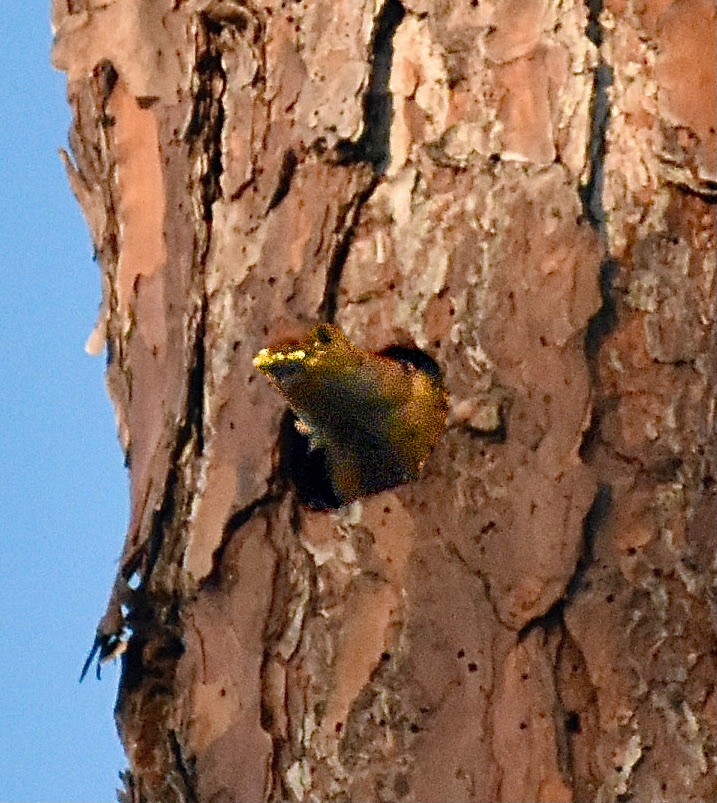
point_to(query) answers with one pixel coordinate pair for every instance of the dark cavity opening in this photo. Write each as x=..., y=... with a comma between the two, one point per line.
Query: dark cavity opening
x=306, y=468
x=415, y=357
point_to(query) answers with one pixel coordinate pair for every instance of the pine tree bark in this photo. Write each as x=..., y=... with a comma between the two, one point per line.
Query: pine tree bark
x=523, y=190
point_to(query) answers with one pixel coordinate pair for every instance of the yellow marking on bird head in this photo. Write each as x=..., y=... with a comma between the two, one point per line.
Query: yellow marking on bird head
x=268, y=357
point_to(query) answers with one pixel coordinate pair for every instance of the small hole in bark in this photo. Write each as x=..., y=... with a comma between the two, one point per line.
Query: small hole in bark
x=401, y=786
x=385, y=656
x=524, y=676
x=461, y=653
x=667, y=470
x=572, y=722
x=414, y=728
x=523, y=725
x=266, y=718
x=610, y=598
x=631, y=550
x=472, y=667
x=146, y=101
x=339, y=727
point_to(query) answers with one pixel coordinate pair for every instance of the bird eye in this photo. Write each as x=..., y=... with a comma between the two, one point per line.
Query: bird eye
x=323, y=335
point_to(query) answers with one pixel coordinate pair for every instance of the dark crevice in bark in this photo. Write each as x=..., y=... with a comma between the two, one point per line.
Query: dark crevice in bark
x=599, y=327
x=592, y=523
x=287, y=577
x=591, y=192
x=233, y=524
x=605, y=319
x=203, y=133
x=497, y=435
x=204, y=130
x=286, y=173
x=185, y=768
x=154, y=614
x=105, y=77
x=373, y=146
x=145, y=696
x=188, y=449
x=348, y=219
x=204, y=136
x=553, y=618
x=705, y=190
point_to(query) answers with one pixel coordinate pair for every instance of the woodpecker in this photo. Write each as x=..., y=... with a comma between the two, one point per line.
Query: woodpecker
x=377, y=417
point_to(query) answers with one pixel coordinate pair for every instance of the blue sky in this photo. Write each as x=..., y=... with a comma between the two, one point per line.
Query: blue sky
x=64, y=488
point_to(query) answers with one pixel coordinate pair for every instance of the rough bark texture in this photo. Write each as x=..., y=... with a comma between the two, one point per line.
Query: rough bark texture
x=521, y=188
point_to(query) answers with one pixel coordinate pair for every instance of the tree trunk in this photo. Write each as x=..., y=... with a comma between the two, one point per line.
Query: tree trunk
x=523, y=191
